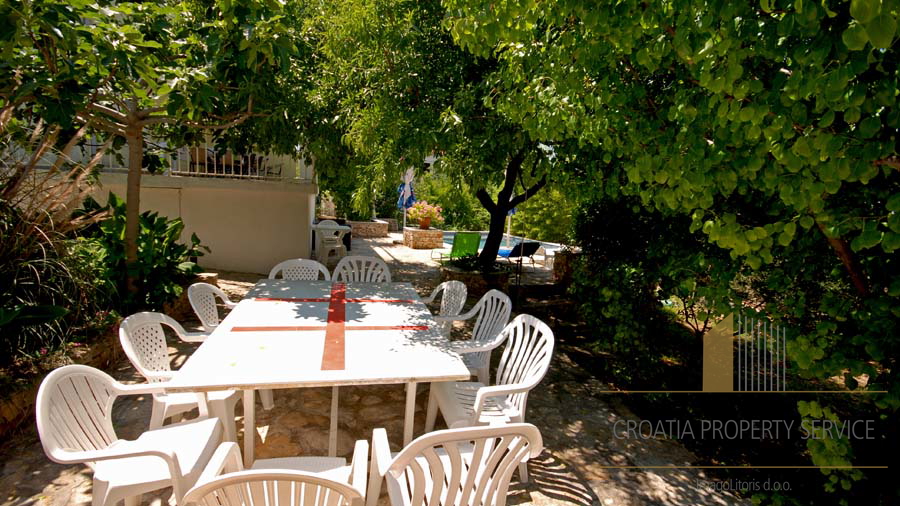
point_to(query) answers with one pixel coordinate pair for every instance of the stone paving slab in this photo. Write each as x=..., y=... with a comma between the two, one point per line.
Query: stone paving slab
x=575, y=419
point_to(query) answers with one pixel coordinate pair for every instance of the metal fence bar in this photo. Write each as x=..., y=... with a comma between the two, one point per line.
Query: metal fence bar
x=761, y=355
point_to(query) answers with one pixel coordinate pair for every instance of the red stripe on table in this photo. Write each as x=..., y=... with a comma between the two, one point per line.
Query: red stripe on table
x=323, y=299
x=293, y=299
x=323, y=327
x=389, y=301
x=333, y=354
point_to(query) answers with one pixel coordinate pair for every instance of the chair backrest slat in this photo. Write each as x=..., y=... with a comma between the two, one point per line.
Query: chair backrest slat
x=526, y=356
x=300, y=269
x=202, y=297
x=461, y=467
x=493, y=310
x=266, y=487
x=74, y=411
x=362, y=269
x=144, y=342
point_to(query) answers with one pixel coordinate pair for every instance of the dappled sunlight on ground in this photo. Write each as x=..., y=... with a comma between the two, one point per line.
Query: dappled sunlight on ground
x=576, y=419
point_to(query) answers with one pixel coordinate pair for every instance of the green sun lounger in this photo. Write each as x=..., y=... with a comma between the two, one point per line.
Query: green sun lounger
x=464, y=244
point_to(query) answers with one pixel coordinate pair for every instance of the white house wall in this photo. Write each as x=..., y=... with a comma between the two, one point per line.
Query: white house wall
x=249, y=225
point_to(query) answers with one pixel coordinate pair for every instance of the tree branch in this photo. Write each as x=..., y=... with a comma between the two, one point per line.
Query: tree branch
x=102, y=109
x=485, y=199
x=893, y=162
x=108, y=126
x=522, y=197
x=63, y=155
x=844, y=252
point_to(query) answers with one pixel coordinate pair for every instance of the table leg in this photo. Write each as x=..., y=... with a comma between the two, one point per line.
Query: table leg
x=249, y=427
x=332, y=433
x=410, y=412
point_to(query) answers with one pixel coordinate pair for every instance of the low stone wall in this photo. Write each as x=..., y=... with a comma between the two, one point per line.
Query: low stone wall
x=392, y=224
x=375, y=228
x=18, y=406
x=477, y=283
x=417, y=238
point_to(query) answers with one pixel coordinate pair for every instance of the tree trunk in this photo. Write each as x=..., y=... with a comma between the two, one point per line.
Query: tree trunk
x=495, y=236
x=505, y=202
x=134, y=136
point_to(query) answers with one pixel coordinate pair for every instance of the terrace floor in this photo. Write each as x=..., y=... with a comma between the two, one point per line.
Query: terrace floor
x=575, y=417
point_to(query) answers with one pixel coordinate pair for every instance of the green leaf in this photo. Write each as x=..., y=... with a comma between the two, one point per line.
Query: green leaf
x=855, y=37
x=864, y=10
x=893, y=203
x=881, y=30
x=891, y=242
x=869, y=127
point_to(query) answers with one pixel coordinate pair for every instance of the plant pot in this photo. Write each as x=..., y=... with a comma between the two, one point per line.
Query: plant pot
x=425, y=223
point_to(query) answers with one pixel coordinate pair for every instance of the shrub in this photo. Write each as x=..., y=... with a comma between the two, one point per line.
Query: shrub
x=547, y=216
x=634, y=259
x=50, y=286
x=460, y=208
x=163, y=265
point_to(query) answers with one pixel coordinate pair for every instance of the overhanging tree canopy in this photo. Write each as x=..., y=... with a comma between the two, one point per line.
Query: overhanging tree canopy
x=173, y=68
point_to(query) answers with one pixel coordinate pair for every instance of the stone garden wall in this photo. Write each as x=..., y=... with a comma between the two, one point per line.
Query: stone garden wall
x=363, y=229
x=417, y=238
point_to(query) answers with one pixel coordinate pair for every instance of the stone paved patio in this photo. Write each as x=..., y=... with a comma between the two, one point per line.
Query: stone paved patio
x=569, y=407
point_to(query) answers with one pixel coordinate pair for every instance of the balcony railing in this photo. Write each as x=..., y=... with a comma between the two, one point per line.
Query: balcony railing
x=204, y=161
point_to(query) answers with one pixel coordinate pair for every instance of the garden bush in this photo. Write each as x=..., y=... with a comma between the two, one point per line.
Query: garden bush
x=460, y=208
x=635, y=260
x=53, y=288
x=164, y=265
x=547, y=216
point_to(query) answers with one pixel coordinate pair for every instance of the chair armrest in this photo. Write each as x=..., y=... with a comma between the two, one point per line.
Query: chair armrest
x=194, y=337
x=227, y=458
x=381, y=452
x=358, y=465
x=159, y=375
x=113, y=453
x=141, y=388
x=381, y=461
x=430, y=298
x=230, y=305
x=468, y=346
x=460, y=317
x=470, y=386
x=485, y=393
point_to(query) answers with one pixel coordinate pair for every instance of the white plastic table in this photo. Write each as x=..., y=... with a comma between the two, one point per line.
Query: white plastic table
x=292, y=334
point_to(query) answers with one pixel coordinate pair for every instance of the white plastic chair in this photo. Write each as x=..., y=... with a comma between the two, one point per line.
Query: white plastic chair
x=202, y=297
x=360, y=269
x=525, y=360
x=307, y=481
x=300, y=269
x=144, y=342
x=74, y=421
x=452, y=302
x=491, y=314
x=457, y=467
x=329, y=240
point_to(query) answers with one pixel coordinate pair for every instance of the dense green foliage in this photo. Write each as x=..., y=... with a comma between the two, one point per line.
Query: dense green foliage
x=548, y=216
x=52, y=288
x=174, y=69
x=400, y=90
x=703, y=108
x=633, y=260
x=461, y=209
x=164, y=265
